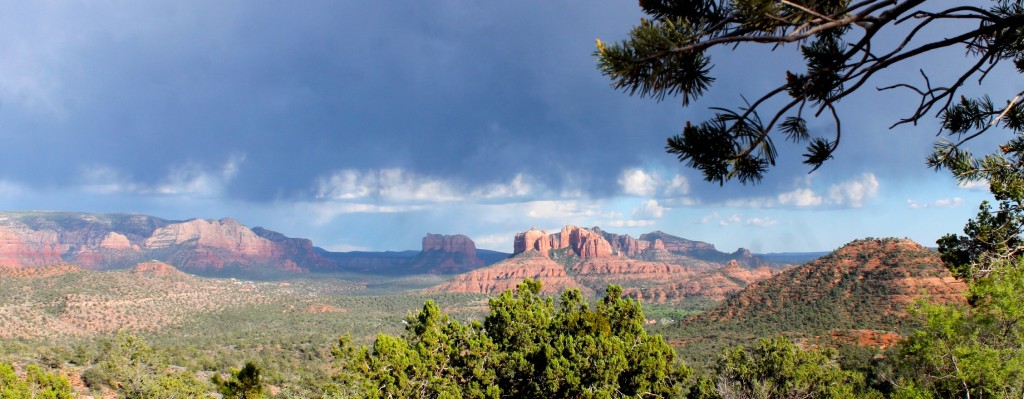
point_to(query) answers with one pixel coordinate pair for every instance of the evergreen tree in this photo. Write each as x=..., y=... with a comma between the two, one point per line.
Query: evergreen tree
x=243, y=384
x=668, y=54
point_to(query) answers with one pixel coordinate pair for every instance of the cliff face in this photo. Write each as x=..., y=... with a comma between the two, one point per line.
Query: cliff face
x=109, y=241
x=596, y=243
x=532, y=240
x=299, y=250
x=447, y=254
x=22, y=247
x=212, y=245
x=628, y=246
x=583, y=242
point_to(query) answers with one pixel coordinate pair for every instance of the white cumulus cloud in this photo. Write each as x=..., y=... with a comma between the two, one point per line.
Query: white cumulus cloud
x=855, y=192
x=639, y=183
x=650, y=209
x=801, y=197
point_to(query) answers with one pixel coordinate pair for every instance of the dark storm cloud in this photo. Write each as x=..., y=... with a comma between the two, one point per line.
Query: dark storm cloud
x=469, y=92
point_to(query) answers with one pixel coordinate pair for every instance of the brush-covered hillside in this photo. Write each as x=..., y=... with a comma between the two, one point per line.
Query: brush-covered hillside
x=863, y=288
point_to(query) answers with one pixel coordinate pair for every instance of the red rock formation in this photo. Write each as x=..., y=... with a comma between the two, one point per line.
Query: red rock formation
x=621, y=268
x=605, y=258
x=532, y=240
x=446, y=254
x=507, y=274
x=299, y=252
x=224, y=234
x=675, y=244
x=156, y=268
x=210, y=245
x=583, y=243
x=452, y=244
x=23, y=247
x=625, y=245
x=114, y=249
x=117, y=241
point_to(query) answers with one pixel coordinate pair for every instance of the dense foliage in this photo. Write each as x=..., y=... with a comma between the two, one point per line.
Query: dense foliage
x=776, y=368
x=135, y=370
x=526, y=347
x=36, y=384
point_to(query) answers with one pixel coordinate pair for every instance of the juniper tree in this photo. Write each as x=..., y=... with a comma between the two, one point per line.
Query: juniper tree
x=526, y=347
x=844, y=44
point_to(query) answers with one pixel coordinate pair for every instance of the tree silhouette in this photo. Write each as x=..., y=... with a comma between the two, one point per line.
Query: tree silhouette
x=839, y=40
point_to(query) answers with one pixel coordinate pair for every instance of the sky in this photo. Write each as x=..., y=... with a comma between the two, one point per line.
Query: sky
x=366, y=125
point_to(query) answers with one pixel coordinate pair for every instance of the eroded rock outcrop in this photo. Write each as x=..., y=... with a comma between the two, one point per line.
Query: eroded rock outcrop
x=625, y=245
x=23, y=247
x=582, y=242
x=590, y=259
x=156, y=269
x=532, y=240
x=507, y=274
x=447, y=254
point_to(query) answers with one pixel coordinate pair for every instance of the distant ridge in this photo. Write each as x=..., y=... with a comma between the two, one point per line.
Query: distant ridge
x=226, y=248
x=217, y=248
x=115, y=241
